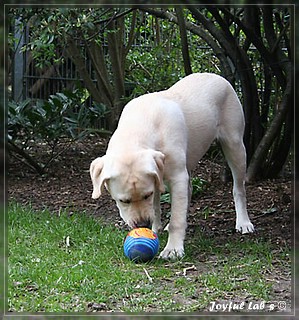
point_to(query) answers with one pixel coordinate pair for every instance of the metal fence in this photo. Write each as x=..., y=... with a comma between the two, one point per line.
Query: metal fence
x=29, y=81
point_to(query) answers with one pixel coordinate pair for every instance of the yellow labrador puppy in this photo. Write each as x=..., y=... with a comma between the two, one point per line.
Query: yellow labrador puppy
x=160, y=138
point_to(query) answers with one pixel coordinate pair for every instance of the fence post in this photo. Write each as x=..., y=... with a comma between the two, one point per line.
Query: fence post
x=18, y=63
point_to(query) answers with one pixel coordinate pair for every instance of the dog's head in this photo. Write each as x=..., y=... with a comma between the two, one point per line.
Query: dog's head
x=132, y=181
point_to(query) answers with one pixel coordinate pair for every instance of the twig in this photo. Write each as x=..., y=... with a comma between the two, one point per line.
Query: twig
x=238, y=279
x=29, y=161
x=188, y=269
x=67, y=241
x=148, y=276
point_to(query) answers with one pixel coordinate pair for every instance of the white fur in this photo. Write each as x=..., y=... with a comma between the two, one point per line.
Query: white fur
x=160, y=138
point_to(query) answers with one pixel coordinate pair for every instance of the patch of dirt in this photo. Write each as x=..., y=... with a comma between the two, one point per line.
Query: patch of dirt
x=68, y=186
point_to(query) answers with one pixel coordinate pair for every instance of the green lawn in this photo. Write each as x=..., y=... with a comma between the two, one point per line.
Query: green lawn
x=76, y=263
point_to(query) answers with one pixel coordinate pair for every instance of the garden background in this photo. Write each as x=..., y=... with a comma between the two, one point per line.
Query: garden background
x=70, y=73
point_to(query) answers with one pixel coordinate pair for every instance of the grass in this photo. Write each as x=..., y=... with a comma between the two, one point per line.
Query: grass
x=76, y=264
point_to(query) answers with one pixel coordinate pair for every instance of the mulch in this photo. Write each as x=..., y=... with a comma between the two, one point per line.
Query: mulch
x=67, y=185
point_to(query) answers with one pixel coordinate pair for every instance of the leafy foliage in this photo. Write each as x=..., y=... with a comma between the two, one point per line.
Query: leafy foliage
x=50, y=29
x=199, y=185
x=63, y=116
x=142, y=48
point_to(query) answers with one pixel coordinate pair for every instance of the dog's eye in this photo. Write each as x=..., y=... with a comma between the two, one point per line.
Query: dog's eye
x=127, y=201
x=147, y=196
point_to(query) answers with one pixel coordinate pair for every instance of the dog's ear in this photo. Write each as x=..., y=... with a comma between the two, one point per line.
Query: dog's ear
x=97, y=176
x=159, y=158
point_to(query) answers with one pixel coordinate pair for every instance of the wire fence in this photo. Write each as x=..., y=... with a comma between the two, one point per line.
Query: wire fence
x=40, y=83
x=30, y=81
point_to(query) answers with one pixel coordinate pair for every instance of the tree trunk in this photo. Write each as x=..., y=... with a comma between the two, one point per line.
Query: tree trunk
x=37, y=86
x=97, y=58
x=184, y=40
x=75, y=55
x=116, y=52
x=255, y=22
x=279, y=157
x=273, y=131
x=244, y=69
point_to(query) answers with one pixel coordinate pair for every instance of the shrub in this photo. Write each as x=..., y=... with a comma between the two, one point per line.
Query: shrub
x=63, y=117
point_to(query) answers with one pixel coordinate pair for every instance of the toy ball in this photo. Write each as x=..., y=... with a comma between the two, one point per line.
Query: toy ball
x=141, y=245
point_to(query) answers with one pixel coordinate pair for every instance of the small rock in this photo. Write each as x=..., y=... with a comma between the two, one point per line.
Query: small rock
x=93, y=306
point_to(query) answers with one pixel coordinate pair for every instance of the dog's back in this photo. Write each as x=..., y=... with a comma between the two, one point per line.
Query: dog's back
x=202, y=103
x=209, y=104
x=147, y=121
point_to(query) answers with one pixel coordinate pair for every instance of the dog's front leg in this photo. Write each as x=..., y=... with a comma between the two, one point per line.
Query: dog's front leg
x=157, y=225
x=178, y=220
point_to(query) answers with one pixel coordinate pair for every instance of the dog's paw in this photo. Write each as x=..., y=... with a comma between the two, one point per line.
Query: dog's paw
x=172, y=253
x=245, y=227
x=157, y=228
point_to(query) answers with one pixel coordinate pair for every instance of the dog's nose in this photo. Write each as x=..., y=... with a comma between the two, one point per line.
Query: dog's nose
x=145, y=223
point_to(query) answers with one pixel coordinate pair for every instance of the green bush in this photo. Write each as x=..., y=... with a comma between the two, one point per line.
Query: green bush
x=64, y=116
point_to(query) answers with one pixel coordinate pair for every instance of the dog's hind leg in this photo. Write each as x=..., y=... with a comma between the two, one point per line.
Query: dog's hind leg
x=235, y=155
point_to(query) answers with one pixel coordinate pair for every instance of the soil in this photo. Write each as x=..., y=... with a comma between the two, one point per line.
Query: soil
x=67, y=185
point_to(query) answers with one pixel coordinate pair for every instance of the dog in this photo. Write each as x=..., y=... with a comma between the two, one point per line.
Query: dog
x=160, y=138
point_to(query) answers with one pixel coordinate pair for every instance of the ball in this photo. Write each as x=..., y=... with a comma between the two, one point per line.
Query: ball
x=141, y=245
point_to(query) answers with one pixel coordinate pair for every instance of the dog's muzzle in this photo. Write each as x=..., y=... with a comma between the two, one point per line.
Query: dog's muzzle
x=144, y=223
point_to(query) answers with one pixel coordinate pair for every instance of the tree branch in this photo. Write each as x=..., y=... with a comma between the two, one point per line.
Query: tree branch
x=219, y=52
x=261, y=48
x=29, y=160
x=131, y=33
